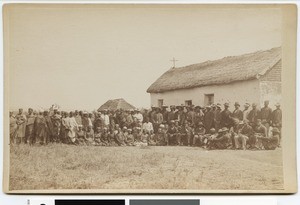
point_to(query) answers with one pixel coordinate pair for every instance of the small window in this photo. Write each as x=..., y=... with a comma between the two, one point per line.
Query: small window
x=188, y=102
x=160, y=102
x=208, y=99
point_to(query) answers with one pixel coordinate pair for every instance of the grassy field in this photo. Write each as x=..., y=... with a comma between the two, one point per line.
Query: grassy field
x=61, y=166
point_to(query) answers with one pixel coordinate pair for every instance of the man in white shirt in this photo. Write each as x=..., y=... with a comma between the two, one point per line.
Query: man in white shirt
x=138, y=115
x=147, y=126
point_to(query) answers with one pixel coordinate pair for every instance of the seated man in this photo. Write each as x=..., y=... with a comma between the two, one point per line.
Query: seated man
x=144, y=139
x=173, y=138
x=222, y=140
x=260, y=131
x=199, y=132
x=207, y=138
x=151, y=139
x=89, y=136
x=129, y=138
x=272, y=141
x=80, y=136
x=161, y=136
x=244, y=133
x=97, y=136
x=104, y=137
x=119, y=137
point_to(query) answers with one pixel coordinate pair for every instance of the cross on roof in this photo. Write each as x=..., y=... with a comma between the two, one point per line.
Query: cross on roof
x=174, y=61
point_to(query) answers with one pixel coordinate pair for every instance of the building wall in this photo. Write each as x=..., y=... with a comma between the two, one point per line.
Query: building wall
x=242, y=92
x=270, y=85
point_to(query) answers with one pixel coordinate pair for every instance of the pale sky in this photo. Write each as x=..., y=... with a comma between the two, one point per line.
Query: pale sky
x=80, y=57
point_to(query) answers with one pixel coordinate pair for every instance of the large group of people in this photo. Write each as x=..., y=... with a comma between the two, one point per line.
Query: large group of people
x=211, y=127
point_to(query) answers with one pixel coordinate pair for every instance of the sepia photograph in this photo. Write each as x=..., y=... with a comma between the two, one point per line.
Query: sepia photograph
x=149, y=98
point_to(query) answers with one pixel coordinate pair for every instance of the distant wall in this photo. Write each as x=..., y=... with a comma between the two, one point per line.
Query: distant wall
x=270, y=85
x=242, y=92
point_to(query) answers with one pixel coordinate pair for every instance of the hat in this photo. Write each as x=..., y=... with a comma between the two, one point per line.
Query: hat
x=213, y=105
x=161, y=126
x=241, y=122
x=219, y=105
x=212, y=130
x=277, y=105
x=247, y=105
x=129, y=129
x=226, y=104
x=237, y=104
x=172, y=121
x=124, y=128
x=254, y=104
x=198, y=107
x=164, y=106
x=276, y=130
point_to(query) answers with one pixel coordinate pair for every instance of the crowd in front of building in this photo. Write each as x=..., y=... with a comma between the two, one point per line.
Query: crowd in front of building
x=210, y=127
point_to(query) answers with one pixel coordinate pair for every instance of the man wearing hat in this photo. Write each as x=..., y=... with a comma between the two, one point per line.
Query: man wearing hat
x=271, y=142
x=161, y=136
x=198, y=115
x=226, y=117
x=165, y=113
x=266, y=114
x=181, y=115
x=172, y=134
x=260, y=131
x=208, y=119
x=222, y=141
x=245, y=132
x=171, y=114
x=29, y=136
x=199, y=133
x=276, y=119
x=217, y=117
x=237, y=113
x=190, y=116
x=253, y=115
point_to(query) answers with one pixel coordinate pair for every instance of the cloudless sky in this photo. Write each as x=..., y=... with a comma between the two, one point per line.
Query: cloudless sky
x=80, y=57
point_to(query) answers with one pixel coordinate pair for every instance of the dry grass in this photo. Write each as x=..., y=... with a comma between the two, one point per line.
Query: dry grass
x=74, y=167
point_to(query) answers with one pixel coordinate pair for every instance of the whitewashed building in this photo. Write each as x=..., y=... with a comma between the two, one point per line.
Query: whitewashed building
x=252, y=78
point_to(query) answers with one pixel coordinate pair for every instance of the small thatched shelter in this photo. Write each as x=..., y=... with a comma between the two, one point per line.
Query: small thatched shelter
x=233, y=78
x=116, y=104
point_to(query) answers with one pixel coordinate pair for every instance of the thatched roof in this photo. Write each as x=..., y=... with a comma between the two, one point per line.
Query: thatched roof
x=116, y=104
x=223, y=71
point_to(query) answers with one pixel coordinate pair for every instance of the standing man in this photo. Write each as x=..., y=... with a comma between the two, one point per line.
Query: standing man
x=171, y=114
x=78, y=118
x=226, y=117
x=237, y=113
x=208, y=119
x=29, y=134
x=253, y=115
x=217, y=117
x=277, y=120
x=12, y=127
x=266, y=114
x=21, y=126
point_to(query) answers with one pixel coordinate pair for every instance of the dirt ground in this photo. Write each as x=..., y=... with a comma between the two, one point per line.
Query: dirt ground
x=59, y=166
